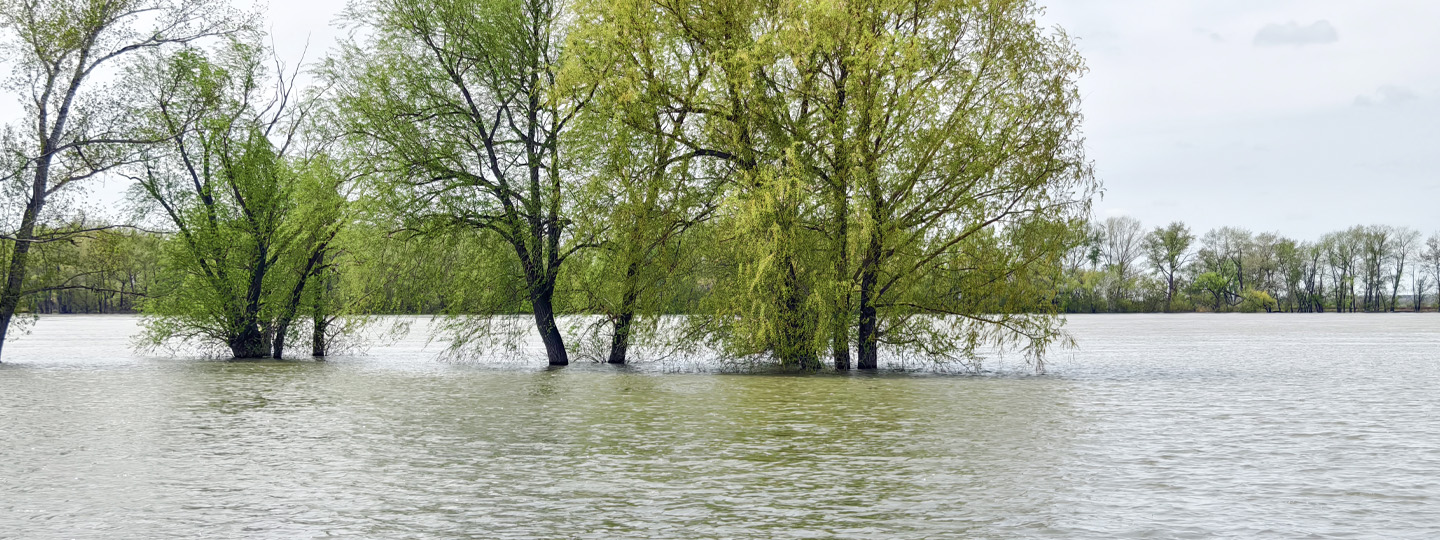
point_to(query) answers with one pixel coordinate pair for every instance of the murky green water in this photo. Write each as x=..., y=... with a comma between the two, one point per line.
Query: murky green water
x=1158, y=427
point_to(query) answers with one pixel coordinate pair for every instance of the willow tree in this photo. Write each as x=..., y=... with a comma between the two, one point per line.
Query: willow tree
x=1341, y=251
x=645, y=218
x=223, y=183
x=718, y=64
x=455, y=105
x=317, y=188
x=970, y=173
x=654, y=190
x=75, y=125
x=903, y=162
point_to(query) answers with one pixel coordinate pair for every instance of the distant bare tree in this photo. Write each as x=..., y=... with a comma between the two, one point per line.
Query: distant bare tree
x=1121, y=248
x=1406, y=243
x=1430, y=260
x=1342, y=253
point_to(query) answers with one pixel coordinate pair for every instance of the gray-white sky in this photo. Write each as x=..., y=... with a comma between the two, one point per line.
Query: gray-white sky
x=1292, y=116
x=1296, y=116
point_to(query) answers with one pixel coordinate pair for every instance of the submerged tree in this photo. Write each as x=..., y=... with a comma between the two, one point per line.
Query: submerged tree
x=311, y=230
x=455, y=105
x=971, y=172
x=251, y=226
x=903, y=164
x=653, y=191
x=727, y=67
x=75, y=126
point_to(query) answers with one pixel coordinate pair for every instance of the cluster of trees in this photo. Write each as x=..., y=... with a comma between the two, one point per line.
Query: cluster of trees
x=1121, y=267
x=105, y=271
x=804, y=179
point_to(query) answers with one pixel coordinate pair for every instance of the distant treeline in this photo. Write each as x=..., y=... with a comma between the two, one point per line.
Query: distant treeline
x=1119, y=268
x=104, y=270
x=1122, y=267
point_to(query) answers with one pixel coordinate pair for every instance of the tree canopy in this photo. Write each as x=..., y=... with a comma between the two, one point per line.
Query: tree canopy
x=803, y=181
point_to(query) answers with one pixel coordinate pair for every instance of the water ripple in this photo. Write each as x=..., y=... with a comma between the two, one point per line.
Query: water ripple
x=1157, y=427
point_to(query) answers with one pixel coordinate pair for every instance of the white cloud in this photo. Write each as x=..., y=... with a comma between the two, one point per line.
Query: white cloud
x=1291, y=33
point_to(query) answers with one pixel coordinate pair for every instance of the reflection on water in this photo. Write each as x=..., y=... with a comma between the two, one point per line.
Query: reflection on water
x=1187, y=426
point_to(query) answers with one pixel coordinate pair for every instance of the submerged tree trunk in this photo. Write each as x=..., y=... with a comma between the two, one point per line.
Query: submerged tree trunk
x=620, y=340
x=317, y=336
x=292, y=305
x=540, y=299
x=840, y=339
x=278, y=345
x=20, y=254
x=320, y=322
x=250, y=342
x=867, y=334
x=252, y=339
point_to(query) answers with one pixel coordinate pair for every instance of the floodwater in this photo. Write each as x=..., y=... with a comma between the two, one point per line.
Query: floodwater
x=1182, y=426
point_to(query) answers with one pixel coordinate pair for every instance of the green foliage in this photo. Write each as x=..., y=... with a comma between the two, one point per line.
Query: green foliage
x=76, y=129
x=1253, y=301
x=455, y=107
x=799, y=178
x=103, y=270
x=649, y=200
x=894, y=163
x=765, y=298
x=1211, y=290
x=1168, y=250
x=252, y=227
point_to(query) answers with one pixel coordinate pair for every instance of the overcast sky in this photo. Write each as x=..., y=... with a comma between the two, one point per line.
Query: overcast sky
x=1292, y=116
x=1296, y=116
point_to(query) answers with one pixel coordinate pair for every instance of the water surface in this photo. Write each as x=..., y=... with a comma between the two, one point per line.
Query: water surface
x=1182, y=426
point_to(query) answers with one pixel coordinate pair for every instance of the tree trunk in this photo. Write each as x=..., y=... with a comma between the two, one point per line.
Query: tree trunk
x=1395, y=287
x=868, y=328
x=317, y=337
x=292, y=306
x=279, y=342
x=250, y=342
x=10, y=298
x=540, y=299
x=1170, y=292
x=20, y=254
x=840, y=340
x=620, y=340
x=319, y=316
